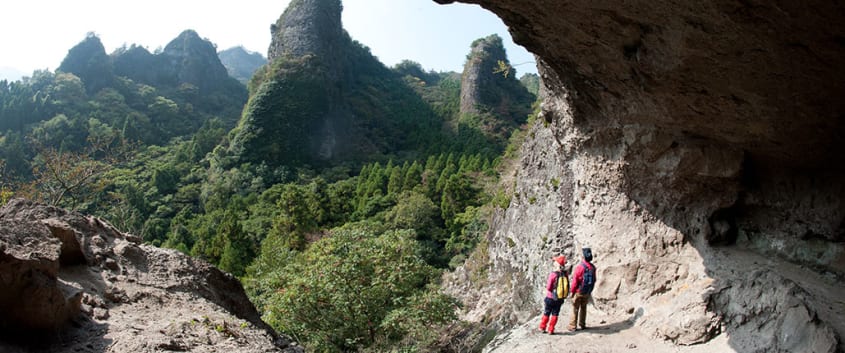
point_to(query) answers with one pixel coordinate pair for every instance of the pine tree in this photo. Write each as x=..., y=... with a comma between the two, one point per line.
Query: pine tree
x=394, y=184
x=413, y=177
x=237, y=250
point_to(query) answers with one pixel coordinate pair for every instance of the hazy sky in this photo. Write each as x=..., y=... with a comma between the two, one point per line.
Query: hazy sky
x=36, y=34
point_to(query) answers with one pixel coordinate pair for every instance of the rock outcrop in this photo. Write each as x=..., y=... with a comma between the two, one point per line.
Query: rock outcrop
x=324, y=98
x=491, y=96
x=695, y=146
x=191, y=59
x=88, y=61
x=309, y=27
x=73, y=283
x=187, y=61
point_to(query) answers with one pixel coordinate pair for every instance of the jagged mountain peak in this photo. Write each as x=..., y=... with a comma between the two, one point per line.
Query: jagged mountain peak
x=307, y=27
x=91, y=45
x=489, y=80
x=88, y=61
x=195, y=60
x=492, y=99
x=324, y=97
x=188, y=41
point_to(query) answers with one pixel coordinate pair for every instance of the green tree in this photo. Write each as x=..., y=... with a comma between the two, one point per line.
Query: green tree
x=353, y=289
x=204, y=228
x=5, y=190
x=179, y=237
x=166, y=179
x=413, y=177
x=415, y=211
x=394, y=183
x=458, y=193
x=237, y=249
x=471, y=227
x=295, y=219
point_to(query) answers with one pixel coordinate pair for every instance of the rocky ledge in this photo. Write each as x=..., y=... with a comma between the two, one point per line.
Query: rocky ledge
x=74, y=283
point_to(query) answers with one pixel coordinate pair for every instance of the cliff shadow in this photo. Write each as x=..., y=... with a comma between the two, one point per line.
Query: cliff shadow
x=81, y=334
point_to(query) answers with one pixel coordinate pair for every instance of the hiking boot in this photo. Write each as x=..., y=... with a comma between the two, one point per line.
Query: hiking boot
x=552, y=323
x=543, y=322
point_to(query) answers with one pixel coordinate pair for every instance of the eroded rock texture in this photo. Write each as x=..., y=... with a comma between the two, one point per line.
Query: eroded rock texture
x=695, y=146
x=308, y=27
x=72, y=283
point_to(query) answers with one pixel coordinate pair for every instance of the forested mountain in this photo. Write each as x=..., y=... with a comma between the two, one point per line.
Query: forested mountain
x=336, y=158
x=99, y=101
x=324, y=98
x=240, y=63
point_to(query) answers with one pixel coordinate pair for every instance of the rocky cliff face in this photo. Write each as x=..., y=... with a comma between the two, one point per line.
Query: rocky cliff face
x=309, y=27
x=491, y=96
x=694, y=147
x=72, y=283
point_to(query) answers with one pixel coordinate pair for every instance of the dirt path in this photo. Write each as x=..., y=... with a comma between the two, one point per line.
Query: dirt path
x=607, y=336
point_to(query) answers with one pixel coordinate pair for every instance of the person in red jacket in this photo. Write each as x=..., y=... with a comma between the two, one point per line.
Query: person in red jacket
x=552, y=306
x=583, y=281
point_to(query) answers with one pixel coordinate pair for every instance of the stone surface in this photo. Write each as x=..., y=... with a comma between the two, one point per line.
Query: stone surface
x=32, y=296
x=308, y=27
x=95, y=289
x=672, y=133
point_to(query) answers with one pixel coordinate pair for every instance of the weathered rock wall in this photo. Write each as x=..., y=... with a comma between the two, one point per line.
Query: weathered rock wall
x=310, y=27
x=694, y=146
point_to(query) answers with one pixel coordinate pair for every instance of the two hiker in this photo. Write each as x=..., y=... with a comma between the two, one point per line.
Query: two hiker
x=557, y=288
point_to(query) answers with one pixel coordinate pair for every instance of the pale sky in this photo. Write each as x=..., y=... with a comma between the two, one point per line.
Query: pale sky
x=37, y=34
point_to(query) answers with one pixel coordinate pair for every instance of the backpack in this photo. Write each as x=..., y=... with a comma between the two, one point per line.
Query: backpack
x=561, y=289
x=589, y=280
